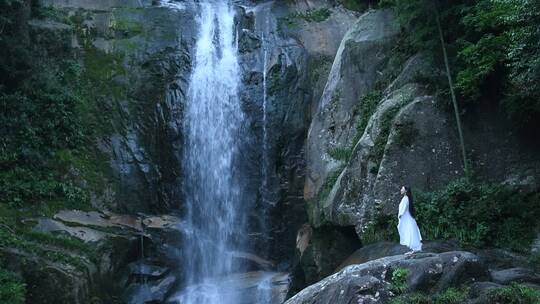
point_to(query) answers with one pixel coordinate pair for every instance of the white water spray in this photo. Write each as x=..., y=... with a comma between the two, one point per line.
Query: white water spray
x=213, y=117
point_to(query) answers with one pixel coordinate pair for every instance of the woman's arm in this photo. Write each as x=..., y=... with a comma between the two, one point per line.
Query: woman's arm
x=403, y=206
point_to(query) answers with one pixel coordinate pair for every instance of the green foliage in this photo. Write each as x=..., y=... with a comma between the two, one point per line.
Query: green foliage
x=367, y=106
x=34, y=243
x=493, y=48
x=449, y=296
x=382, y=228
x=484, y=59
x=329, y=184
x=377, y=152
x=355, y=5
x=523, y=94
x=514, y=294
x=399, y=280
x=318, y=15
x=452, y=296
x=479, y=215
x=36, y=123
x=291, y=21
x=414, y=298
x=319, y=66
x=12, y=290
x=338, y=153
x=126, y=27
x=475, y=214
x=52, y=112
x=50, y=13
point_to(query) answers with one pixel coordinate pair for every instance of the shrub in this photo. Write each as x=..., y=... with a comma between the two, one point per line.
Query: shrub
x=475, y=214
x=414, y=298
x=449, y=296
x=317, y=15
x=493, y=48
x=514, y=294
x=367, y=106
x=339, y=153
x=479, y=215
x=382, y=228
x=399, y=280
x=12, y=290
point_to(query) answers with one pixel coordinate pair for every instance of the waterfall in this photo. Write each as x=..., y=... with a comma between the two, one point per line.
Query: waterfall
x=215, y=216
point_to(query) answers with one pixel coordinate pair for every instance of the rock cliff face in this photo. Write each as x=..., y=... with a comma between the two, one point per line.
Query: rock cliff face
x=139, y=54
x=377, y=129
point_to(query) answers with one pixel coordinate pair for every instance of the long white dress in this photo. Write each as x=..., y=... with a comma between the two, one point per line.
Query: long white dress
x=409, y=234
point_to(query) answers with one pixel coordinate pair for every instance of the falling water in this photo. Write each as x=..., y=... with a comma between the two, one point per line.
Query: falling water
x=265, y=158
x=215, y=218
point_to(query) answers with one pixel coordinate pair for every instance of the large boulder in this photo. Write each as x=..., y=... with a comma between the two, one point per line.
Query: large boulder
x=362, y=54
x=371, y=282
x=383, y=249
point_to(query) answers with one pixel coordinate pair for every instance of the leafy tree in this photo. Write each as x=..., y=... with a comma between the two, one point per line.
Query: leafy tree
x=493, y=48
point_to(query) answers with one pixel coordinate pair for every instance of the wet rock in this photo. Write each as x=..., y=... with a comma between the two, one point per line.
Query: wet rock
x=154, y=291
x=252, y=261
x=244, y=288
x=94, y=218
x=85, y=234
x=276, y=124
x=43, y=275
x=160, y=222
x=328, y=247
x=141, y=49
x=140, y=268
x=108, y=219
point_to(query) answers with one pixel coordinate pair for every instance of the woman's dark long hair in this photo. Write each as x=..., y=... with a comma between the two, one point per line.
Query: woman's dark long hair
x=408, y=192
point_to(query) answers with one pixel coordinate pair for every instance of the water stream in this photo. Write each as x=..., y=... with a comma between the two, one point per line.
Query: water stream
x=215, y=216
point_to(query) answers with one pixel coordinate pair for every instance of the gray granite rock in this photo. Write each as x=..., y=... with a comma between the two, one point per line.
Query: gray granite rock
x=371, y=282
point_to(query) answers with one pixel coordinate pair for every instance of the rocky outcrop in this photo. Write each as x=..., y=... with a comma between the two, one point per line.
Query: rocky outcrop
x=379, y=272
x=383, y=249
x=327, y=248
x=377, y=129
x=135, y=56
x=372, y=282
x=95, y=257
x=354, y=73
x=279, y=48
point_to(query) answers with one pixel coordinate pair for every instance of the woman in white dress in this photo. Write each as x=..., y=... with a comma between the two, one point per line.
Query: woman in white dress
x=409, y=234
